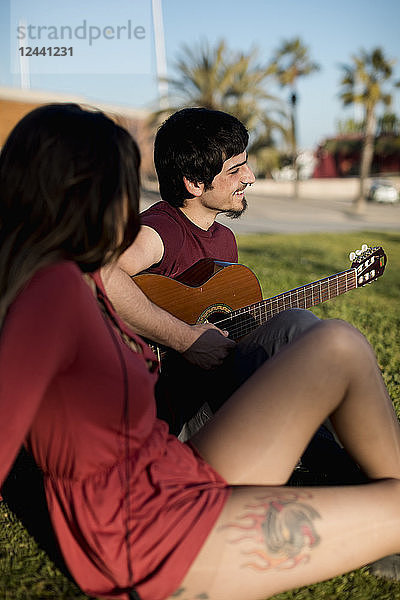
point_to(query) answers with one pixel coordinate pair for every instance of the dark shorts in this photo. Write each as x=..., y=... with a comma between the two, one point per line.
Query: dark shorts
x=182, y=388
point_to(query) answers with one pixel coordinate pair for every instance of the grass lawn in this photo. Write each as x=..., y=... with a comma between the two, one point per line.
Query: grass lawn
x=284, y=262
x=281, y=262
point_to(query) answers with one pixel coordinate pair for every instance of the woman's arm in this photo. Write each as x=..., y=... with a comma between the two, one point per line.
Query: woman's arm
x=37, y=340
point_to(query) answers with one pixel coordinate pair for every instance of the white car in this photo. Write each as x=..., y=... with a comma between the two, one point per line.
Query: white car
x=383, y=191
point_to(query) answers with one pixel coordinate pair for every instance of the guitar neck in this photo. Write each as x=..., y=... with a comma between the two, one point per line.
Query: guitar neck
x=244, y=320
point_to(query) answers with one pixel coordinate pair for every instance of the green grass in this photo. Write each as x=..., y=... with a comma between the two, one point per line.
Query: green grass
x=281, y=263
x=26, y=572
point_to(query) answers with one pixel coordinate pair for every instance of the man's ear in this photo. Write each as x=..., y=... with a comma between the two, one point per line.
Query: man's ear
x=193, y=187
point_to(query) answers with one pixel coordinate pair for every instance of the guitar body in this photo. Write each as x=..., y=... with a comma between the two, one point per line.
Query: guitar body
x=192, y=298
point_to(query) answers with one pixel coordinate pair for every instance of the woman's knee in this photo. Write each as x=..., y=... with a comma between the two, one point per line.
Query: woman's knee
x=340, y=338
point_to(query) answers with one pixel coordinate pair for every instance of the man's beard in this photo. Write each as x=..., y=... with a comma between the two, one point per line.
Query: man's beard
x=236, y=214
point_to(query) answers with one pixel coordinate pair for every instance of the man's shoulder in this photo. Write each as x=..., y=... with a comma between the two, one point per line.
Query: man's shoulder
x=166, y=221
x=160, y=209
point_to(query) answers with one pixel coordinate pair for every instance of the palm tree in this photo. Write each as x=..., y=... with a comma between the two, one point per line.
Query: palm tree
x=363, y=83
x=204, y=76
x=217, y=78
x=389, y=124
x=291, y=61
x=349, y=126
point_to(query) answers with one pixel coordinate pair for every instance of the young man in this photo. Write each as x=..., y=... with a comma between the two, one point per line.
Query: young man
x=201, y=162
x=189, y=229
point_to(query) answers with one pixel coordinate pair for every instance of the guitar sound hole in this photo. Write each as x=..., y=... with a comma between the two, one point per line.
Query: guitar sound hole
x=237, y=326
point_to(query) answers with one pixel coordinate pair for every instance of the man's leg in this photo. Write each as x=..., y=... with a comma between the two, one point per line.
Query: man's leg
x=265, y=341
x=187, y=396
x=181, y=394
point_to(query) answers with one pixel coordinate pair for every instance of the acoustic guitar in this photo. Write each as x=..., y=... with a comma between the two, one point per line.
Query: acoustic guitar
x=229, y=295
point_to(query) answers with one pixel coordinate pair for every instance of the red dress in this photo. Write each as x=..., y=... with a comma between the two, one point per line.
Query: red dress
x=129, y=503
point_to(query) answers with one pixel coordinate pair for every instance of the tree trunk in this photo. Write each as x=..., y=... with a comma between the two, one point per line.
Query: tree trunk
x=366, y=158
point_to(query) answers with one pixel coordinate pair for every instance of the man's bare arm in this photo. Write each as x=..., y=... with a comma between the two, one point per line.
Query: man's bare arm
x=151, y=321
x=145, y=317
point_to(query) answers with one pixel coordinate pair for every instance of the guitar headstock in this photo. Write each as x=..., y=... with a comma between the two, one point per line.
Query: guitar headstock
x=369, y=262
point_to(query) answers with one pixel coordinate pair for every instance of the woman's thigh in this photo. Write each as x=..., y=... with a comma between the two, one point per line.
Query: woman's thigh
x=271, y=539
x=258, y=435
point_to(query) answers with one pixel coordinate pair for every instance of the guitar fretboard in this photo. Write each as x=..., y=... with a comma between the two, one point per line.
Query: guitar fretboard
x=244, y=320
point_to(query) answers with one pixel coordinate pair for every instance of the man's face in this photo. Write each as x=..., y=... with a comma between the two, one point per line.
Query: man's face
x=227, y=189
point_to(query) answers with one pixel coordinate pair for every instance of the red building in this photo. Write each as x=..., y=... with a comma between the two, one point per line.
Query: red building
x=340, y=156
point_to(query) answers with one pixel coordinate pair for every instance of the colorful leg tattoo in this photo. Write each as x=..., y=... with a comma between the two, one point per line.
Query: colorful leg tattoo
x=281, y=528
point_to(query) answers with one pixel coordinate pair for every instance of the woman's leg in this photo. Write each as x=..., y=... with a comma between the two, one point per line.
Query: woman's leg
x=257, y=437
x=272, y=539
x=324, y=460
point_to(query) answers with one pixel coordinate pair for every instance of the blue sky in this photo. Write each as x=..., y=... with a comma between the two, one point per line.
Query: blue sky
x=333, y=31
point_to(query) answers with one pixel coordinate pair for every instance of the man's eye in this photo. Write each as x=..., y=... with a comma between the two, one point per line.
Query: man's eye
x=235, y=171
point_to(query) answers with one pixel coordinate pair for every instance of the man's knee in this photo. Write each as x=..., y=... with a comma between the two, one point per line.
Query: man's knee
x=292, y=322
x=260, y=345
x=282, y=329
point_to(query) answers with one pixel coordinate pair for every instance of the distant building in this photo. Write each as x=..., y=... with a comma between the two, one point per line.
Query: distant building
x=340, y=156
x=16, y=102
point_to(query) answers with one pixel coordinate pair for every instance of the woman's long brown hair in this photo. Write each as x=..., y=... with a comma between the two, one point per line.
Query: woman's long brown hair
x=66, y=177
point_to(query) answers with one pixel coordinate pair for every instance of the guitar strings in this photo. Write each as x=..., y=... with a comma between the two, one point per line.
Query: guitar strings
x=260, y=312
x=306, y=296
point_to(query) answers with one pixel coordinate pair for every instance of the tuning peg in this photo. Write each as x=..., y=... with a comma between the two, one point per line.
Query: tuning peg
x=364, y=247
x=358, y=252
x=352, y=256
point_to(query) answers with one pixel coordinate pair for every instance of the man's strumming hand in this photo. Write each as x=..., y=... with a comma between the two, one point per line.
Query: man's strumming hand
x=210, y=347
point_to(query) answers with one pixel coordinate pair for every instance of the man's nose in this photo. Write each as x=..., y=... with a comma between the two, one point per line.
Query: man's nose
x=248, y=176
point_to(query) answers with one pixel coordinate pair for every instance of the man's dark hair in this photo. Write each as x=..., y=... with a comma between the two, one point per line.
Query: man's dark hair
x=194, y=143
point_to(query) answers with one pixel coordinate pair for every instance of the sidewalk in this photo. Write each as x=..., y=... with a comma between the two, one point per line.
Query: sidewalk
x=324, y=205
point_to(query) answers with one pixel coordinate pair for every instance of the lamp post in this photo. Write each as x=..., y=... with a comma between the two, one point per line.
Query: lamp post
x=293, y=103
x=161, y=60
